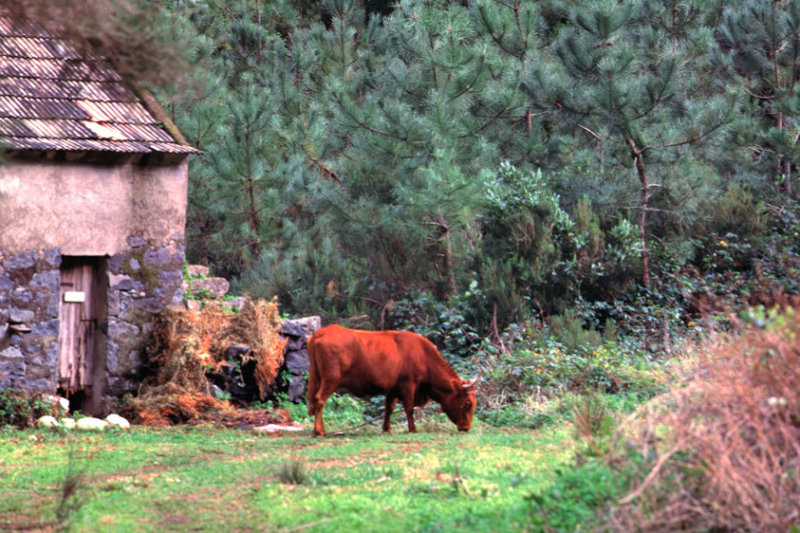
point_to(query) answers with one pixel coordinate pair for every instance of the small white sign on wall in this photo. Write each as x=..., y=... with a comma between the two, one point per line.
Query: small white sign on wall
x=74, y=297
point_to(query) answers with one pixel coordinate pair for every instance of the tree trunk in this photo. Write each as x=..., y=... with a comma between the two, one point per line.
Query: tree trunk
x=644, y=198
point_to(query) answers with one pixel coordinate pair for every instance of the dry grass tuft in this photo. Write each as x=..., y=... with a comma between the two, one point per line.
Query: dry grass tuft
x=722, y=451
x=186, y=344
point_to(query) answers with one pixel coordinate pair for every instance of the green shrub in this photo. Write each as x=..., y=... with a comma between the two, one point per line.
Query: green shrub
x=21, y=409
x=449, y=325
x=567, y=328
x=553, y=369
x=737, y=211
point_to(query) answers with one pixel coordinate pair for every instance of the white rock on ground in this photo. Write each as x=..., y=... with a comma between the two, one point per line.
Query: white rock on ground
x=46, y=421
x=274, y=428
x=118, y=421
x=91, y=423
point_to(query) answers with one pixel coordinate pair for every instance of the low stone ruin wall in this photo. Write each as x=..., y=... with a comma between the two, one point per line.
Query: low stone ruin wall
x=295, y=359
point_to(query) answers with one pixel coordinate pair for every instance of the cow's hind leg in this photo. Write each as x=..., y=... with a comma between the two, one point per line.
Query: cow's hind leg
x=387, y=413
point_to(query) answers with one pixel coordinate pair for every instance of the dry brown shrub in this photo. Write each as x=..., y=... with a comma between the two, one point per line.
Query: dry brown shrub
x=257, y=326
x=722, y=449
x=185, y=344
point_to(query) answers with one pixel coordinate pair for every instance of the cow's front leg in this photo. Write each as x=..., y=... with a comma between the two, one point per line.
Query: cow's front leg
x=391, y=401
x=408, y=407
x=319, y=428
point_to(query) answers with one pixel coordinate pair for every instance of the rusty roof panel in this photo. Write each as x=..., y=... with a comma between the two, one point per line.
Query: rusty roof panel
x=54, y=69
x=84, y=90
x=51, y=108
x=20, y=28
x=92, y=145
x=43, y=109
x=52, y=99
x=36, y=48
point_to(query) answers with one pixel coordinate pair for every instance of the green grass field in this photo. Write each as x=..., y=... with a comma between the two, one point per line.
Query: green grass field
x=210, y=479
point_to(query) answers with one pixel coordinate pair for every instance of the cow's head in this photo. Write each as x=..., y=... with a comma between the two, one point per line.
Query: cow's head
x=459, y=406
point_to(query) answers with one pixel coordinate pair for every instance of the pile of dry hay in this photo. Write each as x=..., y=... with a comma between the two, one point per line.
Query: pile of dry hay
x=723, y=449
x=186, y=345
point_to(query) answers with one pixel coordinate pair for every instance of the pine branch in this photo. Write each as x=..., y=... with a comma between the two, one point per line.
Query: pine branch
x=361, y=123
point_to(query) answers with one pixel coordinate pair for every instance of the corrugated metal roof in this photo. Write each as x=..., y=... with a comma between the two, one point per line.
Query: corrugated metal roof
x=51, y=99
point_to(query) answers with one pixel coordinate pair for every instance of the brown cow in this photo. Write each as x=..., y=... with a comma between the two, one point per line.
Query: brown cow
x=402, y=365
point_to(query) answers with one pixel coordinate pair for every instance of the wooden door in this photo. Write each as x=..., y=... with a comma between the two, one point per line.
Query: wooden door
x=78, y=323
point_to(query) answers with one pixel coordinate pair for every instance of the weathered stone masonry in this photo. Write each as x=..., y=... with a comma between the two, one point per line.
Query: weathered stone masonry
x=29, y=299
x=142, y=281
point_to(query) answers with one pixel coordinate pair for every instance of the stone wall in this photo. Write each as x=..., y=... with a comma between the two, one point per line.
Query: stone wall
x=29, y=298
x=141, y=281
x=293, y=374
x=295, y=358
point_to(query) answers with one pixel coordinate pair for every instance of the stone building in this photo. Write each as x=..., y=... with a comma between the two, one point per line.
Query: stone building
x=93, y=182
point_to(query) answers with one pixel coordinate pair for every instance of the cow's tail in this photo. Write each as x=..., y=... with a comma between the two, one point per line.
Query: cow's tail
x=313, y=377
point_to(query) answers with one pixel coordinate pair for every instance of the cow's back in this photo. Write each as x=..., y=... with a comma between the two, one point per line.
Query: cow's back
x=364, y=363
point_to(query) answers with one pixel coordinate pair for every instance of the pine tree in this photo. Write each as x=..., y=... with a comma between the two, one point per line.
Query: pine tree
x=630, y=90
x=428, y=98
x=763, y=39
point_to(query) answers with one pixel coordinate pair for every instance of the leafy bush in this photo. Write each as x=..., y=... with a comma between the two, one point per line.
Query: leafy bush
x=535, y=255
x=449, y=325
x=21, y=409
x=536, y=380
x=568, y=329
x=552, y=369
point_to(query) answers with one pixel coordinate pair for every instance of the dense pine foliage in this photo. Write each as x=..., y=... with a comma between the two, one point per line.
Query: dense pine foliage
x=462, y=166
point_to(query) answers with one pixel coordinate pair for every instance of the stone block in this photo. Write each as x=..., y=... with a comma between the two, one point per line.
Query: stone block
x=20, y=316
x=116, y=261
x=47, y=328
x=297, y=361
x=197, y=271
x=113, y=303
x=24, y=260
x=297, y=389
x=6, y=284
x=53, y=303
x=295, y=343
x=301, y=327
x=49, y=280
x=136, y=241
x=53, y=257
x=118, y=329
x=157, y=257
x=12, y=366
x=216, y=287
x=236, y=303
